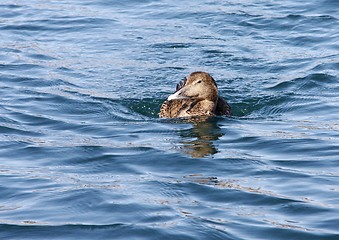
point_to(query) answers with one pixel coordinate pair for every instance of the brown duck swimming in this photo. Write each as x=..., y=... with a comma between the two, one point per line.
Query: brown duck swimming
x=197, y=95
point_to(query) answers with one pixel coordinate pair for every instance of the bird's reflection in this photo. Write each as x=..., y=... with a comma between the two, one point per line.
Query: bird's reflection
x=198, y=141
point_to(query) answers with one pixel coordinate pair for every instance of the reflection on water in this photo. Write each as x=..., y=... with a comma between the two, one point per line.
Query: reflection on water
x=198, y=141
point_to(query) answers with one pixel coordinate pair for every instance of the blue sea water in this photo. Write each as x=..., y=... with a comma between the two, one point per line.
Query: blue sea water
x=83, y=154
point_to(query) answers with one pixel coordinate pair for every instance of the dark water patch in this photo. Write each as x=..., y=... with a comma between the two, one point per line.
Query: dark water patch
x=147, y=106
x=10, y=10
x=10, y=6
x=10, y=50
x=41, y=57
x=172, y=45
x=327, y=66
x=213, y=53
x=260, y=107
x=19, y=67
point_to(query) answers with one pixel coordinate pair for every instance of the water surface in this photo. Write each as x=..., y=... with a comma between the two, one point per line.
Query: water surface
x=83, y=154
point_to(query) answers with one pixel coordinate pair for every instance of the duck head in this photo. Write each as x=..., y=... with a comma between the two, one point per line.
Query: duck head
x=197, y=86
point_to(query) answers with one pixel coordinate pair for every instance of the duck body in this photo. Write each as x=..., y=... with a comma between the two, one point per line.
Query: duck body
x=196, y=95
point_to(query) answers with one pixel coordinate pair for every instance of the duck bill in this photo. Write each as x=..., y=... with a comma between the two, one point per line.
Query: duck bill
x=176, y=96
x=184, y=93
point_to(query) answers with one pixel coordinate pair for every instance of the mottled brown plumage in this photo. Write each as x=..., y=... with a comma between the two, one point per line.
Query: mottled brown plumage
x=196, y=95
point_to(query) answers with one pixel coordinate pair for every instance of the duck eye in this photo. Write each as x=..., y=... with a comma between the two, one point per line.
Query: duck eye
x=199, y=81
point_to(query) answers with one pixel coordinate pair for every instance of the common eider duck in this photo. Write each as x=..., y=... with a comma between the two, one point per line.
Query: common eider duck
x=195, y=96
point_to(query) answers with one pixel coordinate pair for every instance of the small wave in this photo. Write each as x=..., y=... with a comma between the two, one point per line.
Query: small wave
x=299, y=96
x=55, y=26
x=308, y=83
